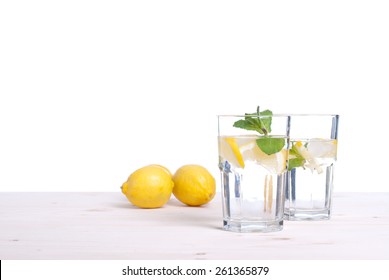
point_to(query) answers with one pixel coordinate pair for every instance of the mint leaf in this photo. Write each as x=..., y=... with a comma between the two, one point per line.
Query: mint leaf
x=270, y=145
x=293, y=151
x=255, y=122
x=266, y=122
x=248, y=124
x=295, y=162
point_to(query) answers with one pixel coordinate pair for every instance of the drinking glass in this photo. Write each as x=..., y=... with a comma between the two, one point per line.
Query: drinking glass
x=253, y=168
x=312, y=157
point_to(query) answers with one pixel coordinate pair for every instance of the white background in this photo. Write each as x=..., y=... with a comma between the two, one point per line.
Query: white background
x=92, y=90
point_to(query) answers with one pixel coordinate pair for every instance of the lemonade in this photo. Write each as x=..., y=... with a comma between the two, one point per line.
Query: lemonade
x=311, y=168
x=253, y=169
x=312, y=157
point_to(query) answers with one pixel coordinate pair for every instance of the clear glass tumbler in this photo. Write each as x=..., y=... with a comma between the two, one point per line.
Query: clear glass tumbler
x=253, y=153
x=312, y=158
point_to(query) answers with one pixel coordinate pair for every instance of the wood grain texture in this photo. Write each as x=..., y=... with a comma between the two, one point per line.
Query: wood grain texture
x=106, y=226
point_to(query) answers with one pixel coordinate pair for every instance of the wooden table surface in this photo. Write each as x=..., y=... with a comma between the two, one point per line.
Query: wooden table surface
x=105, y=226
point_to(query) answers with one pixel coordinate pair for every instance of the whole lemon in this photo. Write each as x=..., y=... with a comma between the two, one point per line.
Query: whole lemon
x=194, y=185
x=149, y=187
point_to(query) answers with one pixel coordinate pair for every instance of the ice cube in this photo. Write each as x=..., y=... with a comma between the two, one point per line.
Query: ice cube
x=319, y=148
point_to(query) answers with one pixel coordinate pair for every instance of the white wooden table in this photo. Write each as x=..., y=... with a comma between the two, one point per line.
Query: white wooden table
x=106, y=226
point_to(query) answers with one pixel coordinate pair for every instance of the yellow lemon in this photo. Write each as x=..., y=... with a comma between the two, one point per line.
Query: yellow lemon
x=194, y=185
x=149, y=187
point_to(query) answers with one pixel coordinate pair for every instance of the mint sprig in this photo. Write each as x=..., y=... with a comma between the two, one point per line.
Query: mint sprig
x=261, y=122
x=255, y=122
x=297, y=160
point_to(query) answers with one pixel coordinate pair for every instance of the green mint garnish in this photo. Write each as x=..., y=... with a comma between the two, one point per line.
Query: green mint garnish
x=261, y=122
x=297, y=161
x=270, y=145
x=255, y=122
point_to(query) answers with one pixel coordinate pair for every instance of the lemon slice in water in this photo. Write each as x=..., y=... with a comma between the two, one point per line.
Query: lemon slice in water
x=235, y=149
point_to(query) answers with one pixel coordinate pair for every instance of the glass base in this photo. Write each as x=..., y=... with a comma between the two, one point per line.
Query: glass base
x=250, y=226
x=307, y=215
